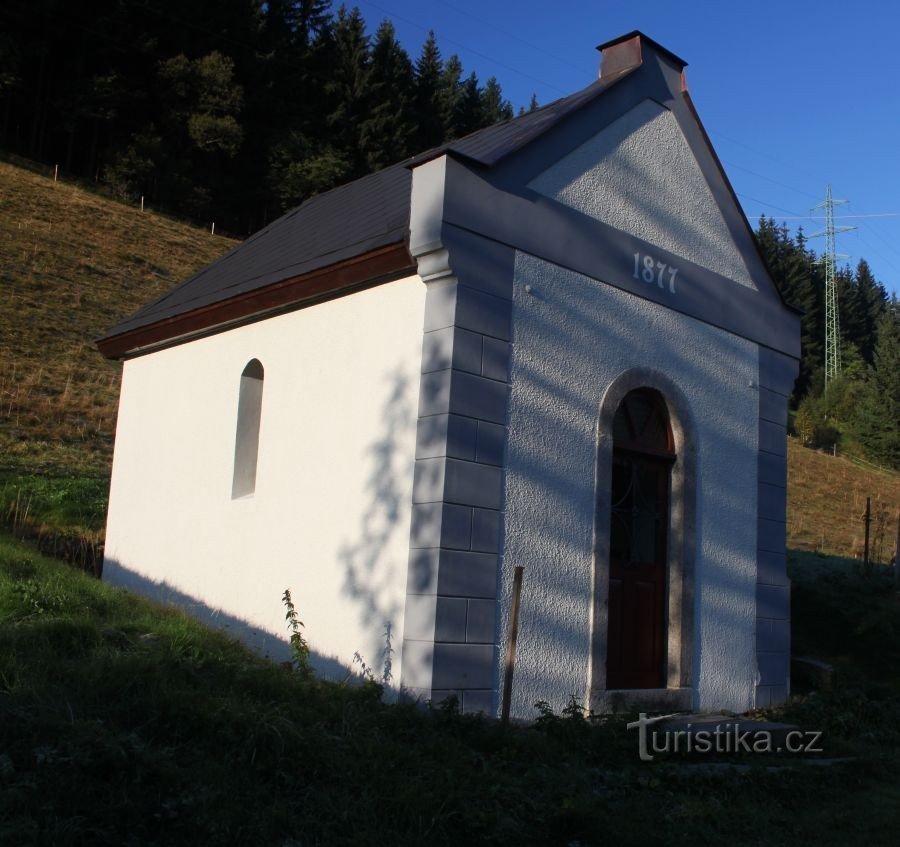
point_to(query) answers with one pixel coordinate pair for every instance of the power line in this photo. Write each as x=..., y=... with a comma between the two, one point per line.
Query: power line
x=848, y=217
x=793, y=215
x=877, y=253
x=883, y=240
x=761, y=153
x=515, y=37
x=768, y=179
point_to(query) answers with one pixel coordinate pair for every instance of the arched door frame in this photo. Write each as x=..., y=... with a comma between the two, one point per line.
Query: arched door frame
x=677, y=695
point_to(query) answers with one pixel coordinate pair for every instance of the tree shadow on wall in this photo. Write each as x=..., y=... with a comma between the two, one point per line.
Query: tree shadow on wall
x=370, y=567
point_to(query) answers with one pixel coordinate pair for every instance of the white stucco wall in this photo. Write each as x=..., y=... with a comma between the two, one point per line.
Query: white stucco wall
x=572, y=337
x=329, y=518
x=649, y=185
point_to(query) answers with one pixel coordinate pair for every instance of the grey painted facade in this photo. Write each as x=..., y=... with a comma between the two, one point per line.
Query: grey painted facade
x=773, y=591
x=468, y=225
x=578, y=345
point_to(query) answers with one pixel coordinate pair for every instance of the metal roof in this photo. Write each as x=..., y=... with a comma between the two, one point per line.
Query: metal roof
x=488, y=146
x=350, y=220
x=347, y=221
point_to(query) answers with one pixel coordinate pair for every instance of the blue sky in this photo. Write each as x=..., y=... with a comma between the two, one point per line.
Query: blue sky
x=793, y=95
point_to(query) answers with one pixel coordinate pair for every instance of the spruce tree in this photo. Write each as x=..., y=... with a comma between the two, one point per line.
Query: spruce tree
x=872, y=300
x=349, y=90
x=877, y=419
x=450, y=96
x=494, y=108
x=429, y=69
x=387, y=134
x=469, y=117
x=789, y=263
x=803, y=295
x=308, y=18
x=849, y=307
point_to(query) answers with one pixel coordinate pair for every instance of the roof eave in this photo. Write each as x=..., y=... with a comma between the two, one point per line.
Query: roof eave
x=366, y=270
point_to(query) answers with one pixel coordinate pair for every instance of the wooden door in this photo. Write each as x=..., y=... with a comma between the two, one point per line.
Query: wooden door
x=637, y=620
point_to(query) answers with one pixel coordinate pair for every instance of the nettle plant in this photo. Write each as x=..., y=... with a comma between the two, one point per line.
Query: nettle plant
x=299, y=645
x=300, y=651
x=387, y=662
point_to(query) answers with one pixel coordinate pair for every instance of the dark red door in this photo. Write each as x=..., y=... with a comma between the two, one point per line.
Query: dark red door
x=636, y=637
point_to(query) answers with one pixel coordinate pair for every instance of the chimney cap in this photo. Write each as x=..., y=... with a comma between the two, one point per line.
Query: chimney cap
x=644, y=39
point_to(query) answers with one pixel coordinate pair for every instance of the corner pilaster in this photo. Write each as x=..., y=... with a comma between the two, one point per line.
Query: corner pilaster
x=450, y=637
x=777, y=373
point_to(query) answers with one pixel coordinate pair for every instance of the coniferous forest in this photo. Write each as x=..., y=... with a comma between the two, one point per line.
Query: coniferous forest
x=237, y=110
x=859, y=412
x=225, y=110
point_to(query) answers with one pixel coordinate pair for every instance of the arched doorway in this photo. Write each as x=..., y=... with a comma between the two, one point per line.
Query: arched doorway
x=643, y=456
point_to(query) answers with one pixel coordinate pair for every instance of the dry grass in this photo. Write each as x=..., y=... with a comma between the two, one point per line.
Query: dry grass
x=72, y=264
x=827, y=500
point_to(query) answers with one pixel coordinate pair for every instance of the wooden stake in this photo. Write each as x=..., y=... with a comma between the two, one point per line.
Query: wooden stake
x=897, y=553
x=511, y=645
x=142, y=202
x=213, y=229
x=868, y=523
x=55, y=172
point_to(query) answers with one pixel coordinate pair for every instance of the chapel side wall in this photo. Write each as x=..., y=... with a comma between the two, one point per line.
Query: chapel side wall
x=773, y=587
x=572, y=336
x=330, y=516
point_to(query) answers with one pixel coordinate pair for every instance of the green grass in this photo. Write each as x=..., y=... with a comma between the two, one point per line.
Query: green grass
x=124, y=722
x=62, y=500
x=848, y=617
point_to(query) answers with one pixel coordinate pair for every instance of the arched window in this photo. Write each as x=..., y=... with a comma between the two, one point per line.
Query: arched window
x=643, y=455
x=246, y=441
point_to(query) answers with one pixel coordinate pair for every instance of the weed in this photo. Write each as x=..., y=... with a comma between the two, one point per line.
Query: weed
x=387, y=653
x=39, y=598
x=387, y=662
x=299, y=646
x=364, y=668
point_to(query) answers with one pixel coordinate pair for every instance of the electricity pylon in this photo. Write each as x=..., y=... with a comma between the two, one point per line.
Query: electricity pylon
x=832, y=312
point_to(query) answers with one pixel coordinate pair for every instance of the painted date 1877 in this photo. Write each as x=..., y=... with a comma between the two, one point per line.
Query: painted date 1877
x=649, y=270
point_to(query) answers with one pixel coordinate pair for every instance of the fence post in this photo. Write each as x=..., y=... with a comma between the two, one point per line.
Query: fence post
x=897, y=553
x=511, y=645
x=868, y=520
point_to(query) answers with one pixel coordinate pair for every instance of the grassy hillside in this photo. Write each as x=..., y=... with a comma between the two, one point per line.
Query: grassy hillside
x=123, y=722
x=827, y=500
x=72, y=264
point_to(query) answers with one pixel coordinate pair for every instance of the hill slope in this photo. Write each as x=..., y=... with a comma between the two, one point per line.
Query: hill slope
x=72, y=264
x=827, y=501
